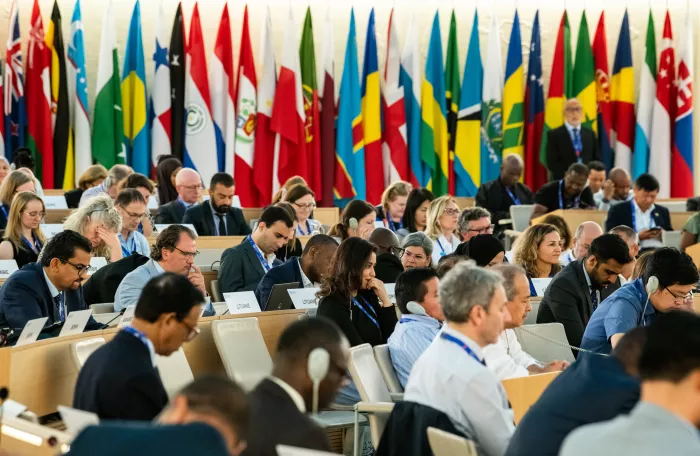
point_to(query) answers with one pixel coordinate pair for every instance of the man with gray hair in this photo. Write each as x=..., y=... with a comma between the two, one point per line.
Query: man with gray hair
x=631, y=238
x=583, y=237
x=117, y=173
x=417, y=251
x=451, y=375
x=506, y=358
x=474, y=221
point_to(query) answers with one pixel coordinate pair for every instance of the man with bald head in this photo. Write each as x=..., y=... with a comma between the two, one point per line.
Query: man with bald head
x=572, y=142
x=616, y=189
x=188, y=184
x=497, y=196
x=388, y=265
x=583, y=237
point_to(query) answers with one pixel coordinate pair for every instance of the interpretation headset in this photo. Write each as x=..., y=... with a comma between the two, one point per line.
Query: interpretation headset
x=652, y=286
x=318, y=364
x=415, y=308
x=353, y=223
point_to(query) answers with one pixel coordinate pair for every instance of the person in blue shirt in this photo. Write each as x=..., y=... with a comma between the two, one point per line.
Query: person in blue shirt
x=415, y=332
x=132, y=207
x=632, y=305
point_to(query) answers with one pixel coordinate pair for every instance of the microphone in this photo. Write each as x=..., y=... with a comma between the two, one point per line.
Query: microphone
x=652, y=286
x=121, y=312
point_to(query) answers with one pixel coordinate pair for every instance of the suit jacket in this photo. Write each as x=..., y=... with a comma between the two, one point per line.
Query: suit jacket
x=130, y=288
x=276, y=420
x=170, y=213
x=285, y=273
x=140, y=439
x=119, y=382
x=561, y=153
x=494, y=197
x=568, y=301
x=388, y=267
x=201, y=216
x=621, y=214
x=73, y=197
x=102, y=285
x=240, y=269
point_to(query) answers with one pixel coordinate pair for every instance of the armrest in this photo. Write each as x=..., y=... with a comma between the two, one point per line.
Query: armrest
x=374, y=407
x=396, y=397
x=341, y=408
x=505, y=221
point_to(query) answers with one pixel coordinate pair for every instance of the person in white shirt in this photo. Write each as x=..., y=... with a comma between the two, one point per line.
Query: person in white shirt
x=596, y=177
x=451, y=375
x=506, y=358
x=132, y=208
x=632, y=240
x=584, y=235
x=443, y=215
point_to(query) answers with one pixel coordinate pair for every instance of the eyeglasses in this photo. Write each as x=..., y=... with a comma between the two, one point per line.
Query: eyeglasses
x=574, y=109
x=410, y=256
x=191, y=187
x=188, y=254
x=396, y=251
x=35, y=214
x=192, y=331
x=680, y=299
x=484, y=230
x=452, y=212
x=81, y=268
x=306, y=207
x=134, y=216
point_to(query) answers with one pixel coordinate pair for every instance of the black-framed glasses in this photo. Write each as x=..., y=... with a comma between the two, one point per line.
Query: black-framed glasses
x=81, y=268
x=484, y=230
x=135, y=216
x=676, y=298
x=396, y=251
x=192, y=331
x=188, y=254
x=307, y=207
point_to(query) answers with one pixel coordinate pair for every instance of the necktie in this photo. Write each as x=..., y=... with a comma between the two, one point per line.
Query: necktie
x=577, y=143
x=222, y=225
x=594, y=299
x=59, y=307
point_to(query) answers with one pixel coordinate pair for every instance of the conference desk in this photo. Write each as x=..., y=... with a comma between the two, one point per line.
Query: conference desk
x=522, y=392
x=574, y=217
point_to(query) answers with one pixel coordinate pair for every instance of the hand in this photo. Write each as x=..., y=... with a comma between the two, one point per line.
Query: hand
x=555, y=366
x=197, y=279
x=377, y=286
x=649, y=234
x=109, y=238
x=364, y=231
x=608, y=190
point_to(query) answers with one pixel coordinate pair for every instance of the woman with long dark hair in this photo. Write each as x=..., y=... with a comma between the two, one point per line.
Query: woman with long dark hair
x=415, y=217
x=165, y=176
x=357, y=220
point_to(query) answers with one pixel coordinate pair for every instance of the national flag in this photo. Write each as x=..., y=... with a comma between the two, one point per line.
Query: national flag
x=535, y=172
x=176, y=60
x=602, y=83
x=452, y=96
x=15, y=108
x=622, y=94
x=645, y=103
x=371, y=117
x=469, y=141
x=288, y=116
x=221, y=86
x=584, y=76
x=246, y=102
x=682, y=184
x=200, y=137
x=2, y=114
x=39, y=129
x=78, y=92
x=394, y=112
x=264, y=159
x=134, y=96
x=350, y=151
x=664, y=110
x=513, y=96
x=64, y=163
x=326, y=90
x=160, y=112
x=307, y=56
x=410, y=81
x=491, y=107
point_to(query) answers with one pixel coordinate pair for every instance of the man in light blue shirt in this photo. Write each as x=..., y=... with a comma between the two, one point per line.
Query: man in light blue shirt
x=116, y=174
x=132, y=207
x=415, y=332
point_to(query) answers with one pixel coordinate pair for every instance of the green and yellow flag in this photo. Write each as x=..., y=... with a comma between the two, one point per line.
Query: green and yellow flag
x=584, y=76
x=452, y=85
x=513, y=95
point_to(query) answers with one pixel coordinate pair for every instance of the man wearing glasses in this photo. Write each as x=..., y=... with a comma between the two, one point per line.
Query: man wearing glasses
x=50, y=287
x=174, y=251
x=474, y=221
x=132, y=207
x=120, y=381
x=188, y=184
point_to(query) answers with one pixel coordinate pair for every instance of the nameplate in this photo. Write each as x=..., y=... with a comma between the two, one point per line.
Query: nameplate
x=31, y=331
x=12, y=409
x=390, y=290
x=378, y=224
x=127, y=317
x=152, y=203
x=161, y=226
x=7, y=267
x=304, y=298
x=96, y=263
x=75, y=322
x=241, y=302
x=55, y=202
x=76, y=420
x=51, y=229
x=541, y=285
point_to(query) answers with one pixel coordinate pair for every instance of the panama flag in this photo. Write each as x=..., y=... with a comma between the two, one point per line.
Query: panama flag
x=682, y=158
x=78, y=92
x=15, y=114
x=246, y=102
x=395, y=147
x=622, y=94
x=160, y=93
x=645, y=103
x=222, y=95
x=491, y=99
x=602, y=82
x=410, y=81
x=200, y=137
x=371, y=117
x=663, y=112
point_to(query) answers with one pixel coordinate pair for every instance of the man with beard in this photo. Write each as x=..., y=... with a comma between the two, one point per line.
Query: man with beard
x=577, y=290
x=217, y=217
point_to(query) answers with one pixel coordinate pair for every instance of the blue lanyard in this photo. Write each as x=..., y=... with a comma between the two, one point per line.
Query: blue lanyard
x=393, y=225
x=406, y=320
x=652, y=222
x=125, y=250
x=4, y=211
x=366, y=312
x=139, y=335
x=561, y=198
x=308, y=229
x=515, y=199
x=261, y=258
x=533, y=292
x=31, y=246
x=464, y=346
x=442, y=251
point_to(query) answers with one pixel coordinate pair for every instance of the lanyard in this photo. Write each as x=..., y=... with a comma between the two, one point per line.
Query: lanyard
x=561, y=198
x=308, y=229
x=61, y=307
x=29, y=244
x=366, y=312
x=652, y=222
x=4, y=211
x=126, y=251
x=261, y=258
x=533, y=292
x=515, y=199
x=139, y=335
x=394, y=226
x=406, y=320
x=442, y=250
x=464, y=346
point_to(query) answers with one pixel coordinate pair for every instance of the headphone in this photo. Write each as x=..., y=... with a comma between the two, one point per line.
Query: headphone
x=353, y=223
x=651, y=287
x=318, y=363
x=415, y=308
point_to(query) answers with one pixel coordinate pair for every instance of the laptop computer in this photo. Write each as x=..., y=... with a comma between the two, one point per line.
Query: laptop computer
x=279, y=299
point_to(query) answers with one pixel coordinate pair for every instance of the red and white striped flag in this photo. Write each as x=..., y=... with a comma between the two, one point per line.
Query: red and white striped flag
x=223, y=109
x=160, y=93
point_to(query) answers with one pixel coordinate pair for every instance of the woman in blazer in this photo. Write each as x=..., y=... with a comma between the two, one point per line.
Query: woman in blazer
x=537, y=250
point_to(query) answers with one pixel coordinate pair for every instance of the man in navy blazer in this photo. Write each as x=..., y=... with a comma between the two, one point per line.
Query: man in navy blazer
x=188, y=185
x=217, y=217
x=49, y=288
x=306, y=270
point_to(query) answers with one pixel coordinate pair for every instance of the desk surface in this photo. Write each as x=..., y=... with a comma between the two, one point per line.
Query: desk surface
x=574, y=217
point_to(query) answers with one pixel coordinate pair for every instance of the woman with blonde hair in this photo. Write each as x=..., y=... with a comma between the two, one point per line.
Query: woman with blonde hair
x=393, y=206
x=93, y=176
x=537, y=250
x=289, y=183
x=15, y=182
x=99, y=221
x=23, y=238
x=443, y=214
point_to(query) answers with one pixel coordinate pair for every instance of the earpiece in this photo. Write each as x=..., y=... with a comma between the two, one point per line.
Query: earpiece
x=652, y=284
x=318, y=364
x=415, y=308
x=353, y=223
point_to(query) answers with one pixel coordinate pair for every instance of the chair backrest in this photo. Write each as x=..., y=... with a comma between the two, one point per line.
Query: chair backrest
x=531, y=318
x=175, y=372
x=545, y=342
x=520, y=215
x=81, y=350
x=445, y=444
x=671, y=239
x=102, y=308
x=386, y=367
x=216, y=291
x=243, y=351
x=284, y=450
x=674, y=206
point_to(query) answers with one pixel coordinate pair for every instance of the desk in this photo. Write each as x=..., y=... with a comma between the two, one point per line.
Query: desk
x=524, y=391
x=54, y=192
x=40, y=441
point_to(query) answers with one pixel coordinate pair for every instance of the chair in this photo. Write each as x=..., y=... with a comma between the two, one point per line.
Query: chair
x=674, y=206
x=531, y=318
x=175, y=372
x=284, y=450
x=545, y=342
x=381, y=354
x=80, y=351
x=243, y=351
x=520, y=215
x=671, y=239
x=102, y=308
x=445, y=444
x=216, y=291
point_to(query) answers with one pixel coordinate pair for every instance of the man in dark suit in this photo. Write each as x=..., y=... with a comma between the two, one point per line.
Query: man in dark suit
x=577, y=290
x=388, y=266
x=243, y=266
x=591, y=390
x=568, y=193
x=280, y=403
x=217, y=217
x=641, y=213
x=49, y=288
x=188, y=185
x=305, y=270
x=102, y=285
x=120, y=380
x=572, y=142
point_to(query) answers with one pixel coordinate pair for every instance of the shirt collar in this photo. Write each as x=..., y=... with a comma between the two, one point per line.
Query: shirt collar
x=571, y=128
x=647, y=410
x=478, y=351
x=52, y=289
x=158, y=267
x=187, y=205
x=294, y=394
x=304, y=280
x=423, y=320
x=150, y=346
x=638, y=284
x=637, y=208
x=125, y=241
x=269, y=258
x=585, y=273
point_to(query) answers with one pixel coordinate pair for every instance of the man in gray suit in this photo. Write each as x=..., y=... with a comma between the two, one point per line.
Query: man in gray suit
x=174, y=251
